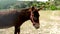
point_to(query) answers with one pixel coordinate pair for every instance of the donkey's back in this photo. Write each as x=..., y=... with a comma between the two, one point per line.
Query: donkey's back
x=7, y=18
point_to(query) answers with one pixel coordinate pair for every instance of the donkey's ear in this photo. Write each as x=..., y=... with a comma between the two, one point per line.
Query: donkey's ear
x=33, y=8
x=40, y=8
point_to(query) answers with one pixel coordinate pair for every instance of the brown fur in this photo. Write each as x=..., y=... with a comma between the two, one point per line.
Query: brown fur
x=19, y=17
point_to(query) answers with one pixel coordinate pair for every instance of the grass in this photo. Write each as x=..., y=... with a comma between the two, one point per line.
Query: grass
x=48, y=25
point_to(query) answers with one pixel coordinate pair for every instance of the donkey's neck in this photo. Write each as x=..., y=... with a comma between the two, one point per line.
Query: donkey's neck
x=24, y=15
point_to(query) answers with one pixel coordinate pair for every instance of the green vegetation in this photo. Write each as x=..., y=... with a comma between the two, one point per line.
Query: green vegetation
x=49, y=5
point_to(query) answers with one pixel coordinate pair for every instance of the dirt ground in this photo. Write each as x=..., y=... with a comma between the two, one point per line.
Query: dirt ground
x=49, y=24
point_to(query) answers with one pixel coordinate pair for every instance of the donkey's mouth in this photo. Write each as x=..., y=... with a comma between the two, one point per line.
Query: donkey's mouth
x=37, y=27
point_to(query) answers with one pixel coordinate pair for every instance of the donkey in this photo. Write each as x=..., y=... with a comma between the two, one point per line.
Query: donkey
x=16, y=18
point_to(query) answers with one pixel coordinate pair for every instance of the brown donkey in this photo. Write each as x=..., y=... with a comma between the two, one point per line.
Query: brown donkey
x=16, y=18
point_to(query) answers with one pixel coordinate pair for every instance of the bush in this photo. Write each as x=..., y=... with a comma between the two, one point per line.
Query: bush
x=52, y=7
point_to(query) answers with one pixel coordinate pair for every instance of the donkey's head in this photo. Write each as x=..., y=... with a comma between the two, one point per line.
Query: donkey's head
x=34, y=16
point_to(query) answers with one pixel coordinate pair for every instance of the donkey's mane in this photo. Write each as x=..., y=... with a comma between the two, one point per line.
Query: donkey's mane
x=7, y=11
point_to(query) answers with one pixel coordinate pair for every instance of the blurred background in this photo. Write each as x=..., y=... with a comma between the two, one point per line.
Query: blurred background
x=49, y=4
x=49, y=16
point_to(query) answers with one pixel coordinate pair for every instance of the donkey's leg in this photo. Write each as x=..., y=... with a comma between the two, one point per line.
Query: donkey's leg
x=17, y=30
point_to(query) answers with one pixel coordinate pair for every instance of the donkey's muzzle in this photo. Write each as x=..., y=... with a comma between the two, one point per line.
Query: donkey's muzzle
x=36, y=25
